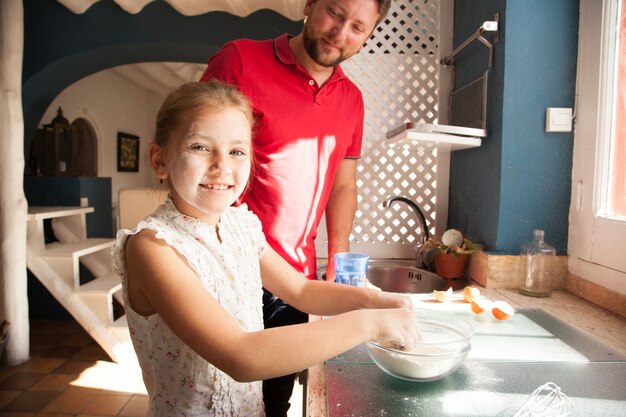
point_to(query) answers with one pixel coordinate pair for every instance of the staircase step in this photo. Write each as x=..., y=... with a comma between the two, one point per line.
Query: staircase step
x=120, y=323
x=40, y=213
x=57, y=266
x=107, y=284
x=119, y=328
x=77, y=249
x=97, y=295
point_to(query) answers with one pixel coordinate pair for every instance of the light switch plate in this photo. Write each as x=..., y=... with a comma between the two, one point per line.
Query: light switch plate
x=559, y=119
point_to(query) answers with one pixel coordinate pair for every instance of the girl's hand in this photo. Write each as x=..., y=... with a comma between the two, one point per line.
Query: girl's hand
x=398, y=327
x=385, y=299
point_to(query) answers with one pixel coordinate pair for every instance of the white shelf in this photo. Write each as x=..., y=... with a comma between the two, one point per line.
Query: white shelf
x=40, y=213
x=444, y=138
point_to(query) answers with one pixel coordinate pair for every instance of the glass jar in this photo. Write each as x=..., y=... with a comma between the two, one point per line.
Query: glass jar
x=537, y=260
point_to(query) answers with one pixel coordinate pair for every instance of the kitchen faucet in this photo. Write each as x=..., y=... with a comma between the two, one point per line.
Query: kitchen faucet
x=421, y=220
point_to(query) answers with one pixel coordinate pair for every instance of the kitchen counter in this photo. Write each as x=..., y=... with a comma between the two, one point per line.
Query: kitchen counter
x=589, y=365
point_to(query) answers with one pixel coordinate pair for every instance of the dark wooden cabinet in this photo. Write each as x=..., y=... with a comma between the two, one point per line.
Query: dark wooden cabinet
x=64, y=149
x=67, y=151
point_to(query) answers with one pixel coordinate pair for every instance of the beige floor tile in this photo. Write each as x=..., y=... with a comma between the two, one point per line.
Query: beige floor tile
x=4, y=375
x=62, y=352
x=54, y=382
x=137, y=406
x=92, y=415
x=112, y=378
x=70, y=401
x=39, y=350
x=81, y=339
x=46, y=339
x=21, y=381
x=31, y=401
x=60, y=327
x=87, y=391
x=73, y=367
x=104, y=404
x=37, y=364
x=8, y=396
x=91, y=353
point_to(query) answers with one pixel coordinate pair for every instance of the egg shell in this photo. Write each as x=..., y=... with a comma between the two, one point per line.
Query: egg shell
x=443, y=296
x=502, y=310
x=470, y=293
x=480, y=305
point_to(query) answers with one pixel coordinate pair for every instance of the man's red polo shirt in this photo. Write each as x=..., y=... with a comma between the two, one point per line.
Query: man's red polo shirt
x=303, y=133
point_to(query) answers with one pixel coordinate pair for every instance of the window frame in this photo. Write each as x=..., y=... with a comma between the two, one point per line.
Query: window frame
x=596, y=241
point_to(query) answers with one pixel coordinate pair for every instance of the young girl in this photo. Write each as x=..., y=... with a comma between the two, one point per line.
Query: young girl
x=193, y=273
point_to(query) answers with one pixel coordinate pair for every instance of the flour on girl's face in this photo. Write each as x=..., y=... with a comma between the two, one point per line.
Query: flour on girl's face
x=208, y=163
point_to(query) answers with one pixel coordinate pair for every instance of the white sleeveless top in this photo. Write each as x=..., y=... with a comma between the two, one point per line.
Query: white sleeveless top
x=179, y=381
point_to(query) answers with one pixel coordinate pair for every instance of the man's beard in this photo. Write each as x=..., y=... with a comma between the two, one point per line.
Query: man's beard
x=311, y=43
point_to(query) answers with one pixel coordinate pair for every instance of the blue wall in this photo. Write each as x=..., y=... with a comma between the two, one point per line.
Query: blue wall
x=520, y=178
x=61, y=47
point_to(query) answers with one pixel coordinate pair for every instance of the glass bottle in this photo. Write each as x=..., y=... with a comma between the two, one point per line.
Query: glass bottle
x=536, y=267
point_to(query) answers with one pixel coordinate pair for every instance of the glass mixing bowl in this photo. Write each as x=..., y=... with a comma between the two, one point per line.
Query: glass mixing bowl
x=446, y=341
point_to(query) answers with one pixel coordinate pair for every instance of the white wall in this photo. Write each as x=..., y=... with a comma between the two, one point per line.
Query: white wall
x=112, y=104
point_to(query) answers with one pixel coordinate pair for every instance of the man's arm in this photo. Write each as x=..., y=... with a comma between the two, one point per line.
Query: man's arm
x=340, y=210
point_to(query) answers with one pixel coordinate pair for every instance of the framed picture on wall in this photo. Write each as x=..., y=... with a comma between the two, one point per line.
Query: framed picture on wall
x=127, y=152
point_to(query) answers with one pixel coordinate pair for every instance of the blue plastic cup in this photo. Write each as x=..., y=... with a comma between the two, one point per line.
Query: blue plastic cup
x=351, y=268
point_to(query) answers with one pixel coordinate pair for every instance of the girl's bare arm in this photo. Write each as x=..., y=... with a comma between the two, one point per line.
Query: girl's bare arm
x=160, y=281
x=319, y=297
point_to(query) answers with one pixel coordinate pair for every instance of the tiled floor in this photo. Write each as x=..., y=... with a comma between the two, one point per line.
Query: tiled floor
x=69, y=375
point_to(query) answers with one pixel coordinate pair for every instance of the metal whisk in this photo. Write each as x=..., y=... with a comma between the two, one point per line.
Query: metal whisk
x=546, y=401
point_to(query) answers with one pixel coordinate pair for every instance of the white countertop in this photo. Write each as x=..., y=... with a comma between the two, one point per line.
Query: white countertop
x=603, y=326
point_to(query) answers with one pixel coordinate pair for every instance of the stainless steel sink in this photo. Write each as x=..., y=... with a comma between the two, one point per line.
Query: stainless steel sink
x=399, y=276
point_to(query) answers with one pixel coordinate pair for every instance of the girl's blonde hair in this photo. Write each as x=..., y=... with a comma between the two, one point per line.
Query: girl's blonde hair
x=191, y=99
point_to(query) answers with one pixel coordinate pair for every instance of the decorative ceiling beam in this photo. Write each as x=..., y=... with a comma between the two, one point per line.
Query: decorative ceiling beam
x=292, y=9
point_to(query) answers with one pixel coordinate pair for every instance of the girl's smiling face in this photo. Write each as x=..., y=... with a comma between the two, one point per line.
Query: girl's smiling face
x=207, y=162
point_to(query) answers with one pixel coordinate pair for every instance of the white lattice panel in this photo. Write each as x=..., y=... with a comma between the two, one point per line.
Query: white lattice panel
x=398, y=74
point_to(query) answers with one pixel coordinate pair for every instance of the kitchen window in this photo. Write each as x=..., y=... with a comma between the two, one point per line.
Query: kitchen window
x=613, y=200
x=598, y=206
